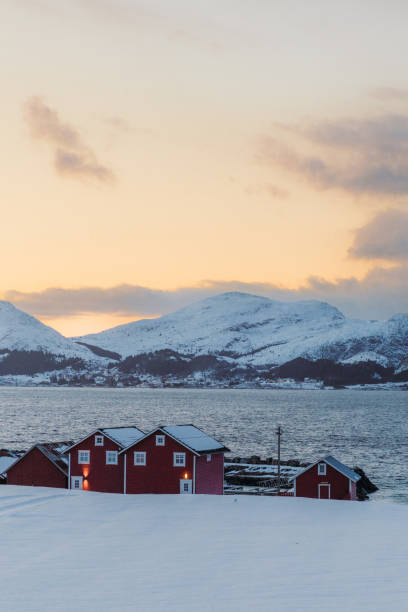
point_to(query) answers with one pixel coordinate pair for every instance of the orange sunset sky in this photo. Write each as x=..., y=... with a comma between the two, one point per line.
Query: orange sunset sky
x=154, y=153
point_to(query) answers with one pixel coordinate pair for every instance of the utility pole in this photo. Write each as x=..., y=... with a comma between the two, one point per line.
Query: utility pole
x=279, y=433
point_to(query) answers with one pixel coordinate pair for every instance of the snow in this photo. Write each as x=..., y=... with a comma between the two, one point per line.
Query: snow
x=22, y=332
x=257, y=330
x=193, y=437
x=6, y=462
x=125, y=436
x=66, y=550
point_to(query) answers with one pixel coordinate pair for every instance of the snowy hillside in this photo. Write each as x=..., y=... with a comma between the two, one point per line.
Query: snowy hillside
x=74, y=550
x=22, y=332
x=256, y=330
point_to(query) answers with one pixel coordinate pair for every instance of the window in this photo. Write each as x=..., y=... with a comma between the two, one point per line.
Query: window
x=208, y=457
x=111, y=457
x=322, y=469
x=159, y=440
x=139, y=458
x=98, y=440
x=179, y=459
x=84, y=456
x=186, y=486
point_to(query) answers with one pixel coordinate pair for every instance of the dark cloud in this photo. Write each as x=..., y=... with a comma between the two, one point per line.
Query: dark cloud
x=384, y=237
x=361, y=156
x=382, y=293
x=72, y=157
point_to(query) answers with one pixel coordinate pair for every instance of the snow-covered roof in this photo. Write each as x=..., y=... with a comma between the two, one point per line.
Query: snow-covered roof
x=125, y=436
x=337, y=465
x=194, y=438
x=6, y=462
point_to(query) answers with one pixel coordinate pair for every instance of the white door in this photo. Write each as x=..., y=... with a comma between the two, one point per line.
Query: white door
x=186, y=486
x=76, y=482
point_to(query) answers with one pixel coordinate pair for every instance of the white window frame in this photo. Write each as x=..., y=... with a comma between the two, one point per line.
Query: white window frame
x=177, y=463
x=99, y=440
x=321, y=469
x=115, y=457
x=160, y=440
x=209, y=456
x=79, y=457
x=141, y=455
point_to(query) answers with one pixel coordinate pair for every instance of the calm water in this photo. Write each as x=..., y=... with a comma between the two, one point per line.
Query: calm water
x=364, y=428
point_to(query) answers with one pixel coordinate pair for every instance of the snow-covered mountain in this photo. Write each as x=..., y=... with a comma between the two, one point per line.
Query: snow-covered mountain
x=259, y=331
x=22, y=332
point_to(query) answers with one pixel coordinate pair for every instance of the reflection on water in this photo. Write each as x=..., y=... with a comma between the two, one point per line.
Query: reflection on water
x=364, y=428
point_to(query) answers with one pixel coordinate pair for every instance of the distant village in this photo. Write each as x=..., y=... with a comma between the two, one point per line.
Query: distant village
x=174, y=459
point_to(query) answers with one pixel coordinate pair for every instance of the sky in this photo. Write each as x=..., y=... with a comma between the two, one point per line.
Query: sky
x=157, y=153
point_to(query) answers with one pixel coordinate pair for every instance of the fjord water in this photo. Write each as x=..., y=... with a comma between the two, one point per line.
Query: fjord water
x=364, y=428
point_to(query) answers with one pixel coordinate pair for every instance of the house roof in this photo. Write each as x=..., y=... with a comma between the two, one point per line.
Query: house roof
x=334, y=463
x=194, y=438
x=52, y=450
x=189, y=436
x=123, y=436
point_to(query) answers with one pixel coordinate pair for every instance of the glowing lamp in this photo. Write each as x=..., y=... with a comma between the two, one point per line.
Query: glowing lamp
x=185, y=476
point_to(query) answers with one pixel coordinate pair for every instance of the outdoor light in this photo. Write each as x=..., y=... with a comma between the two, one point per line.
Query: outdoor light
x=186, y=476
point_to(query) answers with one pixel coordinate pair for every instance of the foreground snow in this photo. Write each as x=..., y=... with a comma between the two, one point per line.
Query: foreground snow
x=65, y=551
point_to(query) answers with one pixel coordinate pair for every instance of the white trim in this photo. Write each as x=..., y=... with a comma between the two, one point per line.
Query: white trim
x=69, y=470
x=80, y=450
x=139, y=453
x=175, y=463
x=124, y=475
x=102, y=433
x=96, y=440
x=294, y=488
x=160, y=440
x=325, y=460
x=166, y=433
x=111, y=462
x=324, y=484
x=194, y=474
x=321, y=468
x=223, y=472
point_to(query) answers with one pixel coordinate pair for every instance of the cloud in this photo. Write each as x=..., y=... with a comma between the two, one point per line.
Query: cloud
x=270, y=189
x=72, y=156
x=384, y=237
x=389, y=93
x=360, y=156
x=382, y=293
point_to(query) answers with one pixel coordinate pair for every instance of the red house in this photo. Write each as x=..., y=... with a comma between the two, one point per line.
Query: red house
x=95, y=463
x=326, y=479
x=174, y=459
x=43, y=465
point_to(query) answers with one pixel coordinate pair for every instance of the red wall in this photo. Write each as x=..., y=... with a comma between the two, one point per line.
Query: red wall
x=36, y=470
x=158, y=475
x=307, y=483
x=210, y=474
x=97, y=475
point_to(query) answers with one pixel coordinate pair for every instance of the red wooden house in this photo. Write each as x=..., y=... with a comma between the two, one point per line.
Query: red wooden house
x=174, y=459
x=95, y=463
x=43, y=465
x=326, y=479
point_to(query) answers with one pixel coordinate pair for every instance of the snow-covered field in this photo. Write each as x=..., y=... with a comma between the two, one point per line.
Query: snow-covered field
x=80, y=551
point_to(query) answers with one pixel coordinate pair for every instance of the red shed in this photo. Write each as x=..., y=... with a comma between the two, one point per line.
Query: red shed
x=175, y=459
x=43, y=465
x=326, y=479
x=95, y=463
